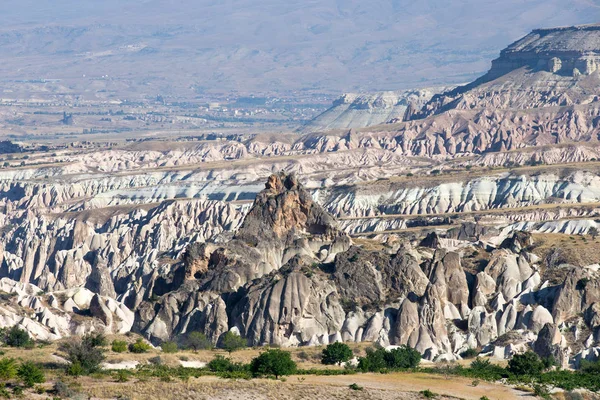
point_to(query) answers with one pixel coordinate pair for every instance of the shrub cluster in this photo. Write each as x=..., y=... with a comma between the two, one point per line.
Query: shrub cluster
x=529, y=369
x=16, y=337
x=380, y=360
x=140, y=346
x=119, y=346
x=196, y=341
x=28, y=372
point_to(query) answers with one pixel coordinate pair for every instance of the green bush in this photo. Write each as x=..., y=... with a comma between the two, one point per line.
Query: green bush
x=273, y=362
x=30, y=374
x=94, y=340
x=8, y=369
x=469, y=353
x=220, y=364
x=17, y=337
x=197, y=341
x=403, y=357
x=336, y=353
x=119, y=346
x=428, y=394
x=526, y=364
x=122, y=376
x=592, y=367
x=84, y=354
x=140, y=346
x=378, y=360
x=156, y=360
x=169, y=347
x=227, y=369
x=75, y=369
x=354, y=386
x=482, y=368
x=232, y=342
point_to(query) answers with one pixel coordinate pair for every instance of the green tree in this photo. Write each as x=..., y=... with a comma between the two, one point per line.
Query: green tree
x=336, y=353
x=273, y=362
x=17, y=337
x=402, y=357
x=8, y=369
x=374, y=361
x=232, y=342
x=30, y=374
x=526, y=364
x=197, y=341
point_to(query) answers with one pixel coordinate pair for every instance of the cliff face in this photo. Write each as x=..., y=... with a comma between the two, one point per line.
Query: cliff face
x=569, y=51
x=548, y=67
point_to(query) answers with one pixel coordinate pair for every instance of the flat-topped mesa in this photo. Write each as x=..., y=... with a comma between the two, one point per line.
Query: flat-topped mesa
x=566, y=51
x=285, y=208
x=546, y=68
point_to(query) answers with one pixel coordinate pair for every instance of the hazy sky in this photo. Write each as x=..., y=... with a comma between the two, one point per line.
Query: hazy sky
x=332, y=45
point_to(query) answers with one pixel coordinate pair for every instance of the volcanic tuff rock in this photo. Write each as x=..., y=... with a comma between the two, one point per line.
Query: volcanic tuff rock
x=363, y=110
x=287, y=275
x=54, y=314
x=411, y=296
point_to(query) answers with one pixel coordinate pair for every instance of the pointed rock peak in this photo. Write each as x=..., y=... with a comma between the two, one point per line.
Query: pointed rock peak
x=520, y=240
x=284, y=207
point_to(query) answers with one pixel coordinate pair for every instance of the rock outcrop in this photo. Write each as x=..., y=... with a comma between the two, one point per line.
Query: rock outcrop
x=364, y=110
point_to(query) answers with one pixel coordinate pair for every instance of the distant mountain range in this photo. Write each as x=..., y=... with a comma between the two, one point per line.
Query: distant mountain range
x=185, y=48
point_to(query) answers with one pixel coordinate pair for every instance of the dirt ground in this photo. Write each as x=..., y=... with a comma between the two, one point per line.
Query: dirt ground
x=374, y=386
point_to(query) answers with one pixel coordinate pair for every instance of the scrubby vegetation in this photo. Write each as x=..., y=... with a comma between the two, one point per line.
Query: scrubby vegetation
x=85, y=354
x=169, y=347
x=530, y=370
x=30, y=374
x=197, y=341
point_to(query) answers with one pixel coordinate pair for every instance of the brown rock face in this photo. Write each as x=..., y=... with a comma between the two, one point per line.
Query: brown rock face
x=196, y=259
x=281, y=209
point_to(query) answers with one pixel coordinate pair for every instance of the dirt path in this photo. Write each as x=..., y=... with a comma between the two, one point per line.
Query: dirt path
x=415, y=382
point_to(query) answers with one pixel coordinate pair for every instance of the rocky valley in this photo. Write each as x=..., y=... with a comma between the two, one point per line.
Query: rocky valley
x=444, y=219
